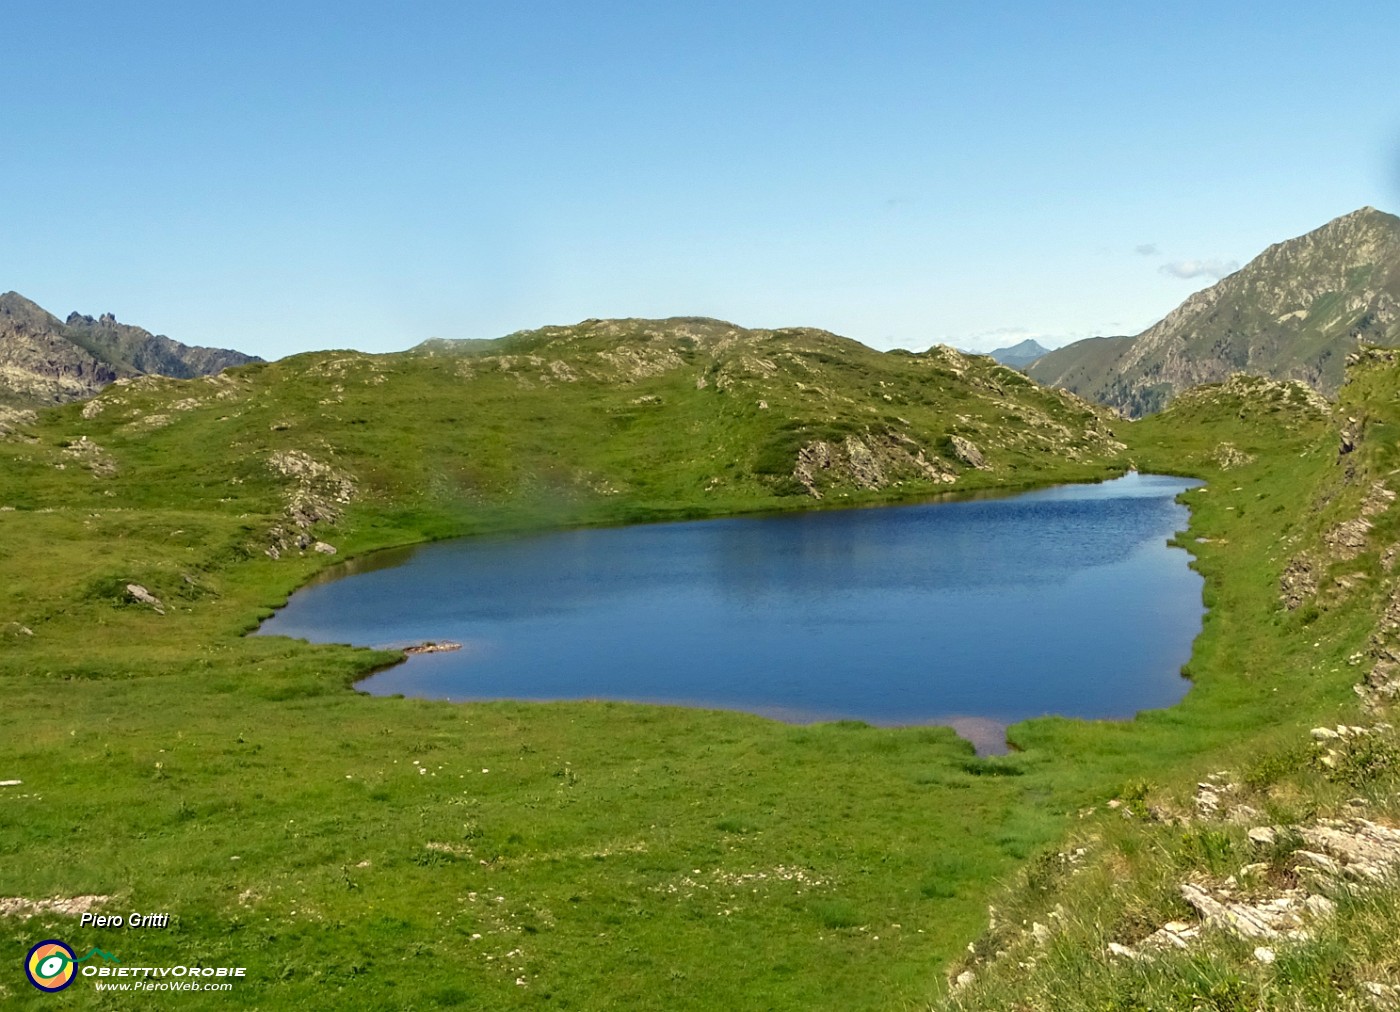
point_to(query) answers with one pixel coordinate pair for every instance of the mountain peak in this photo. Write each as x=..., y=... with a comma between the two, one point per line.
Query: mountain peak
x=16, y=306
x=1022, y=353
x=1367, y=217
x=49, y=361
x=1291, y=313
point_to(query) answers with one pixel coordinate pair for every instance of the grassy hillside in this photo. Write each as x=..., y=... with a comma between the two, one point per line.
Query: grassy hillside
x=1280, y=826
x=625, y=855
x=393, y=853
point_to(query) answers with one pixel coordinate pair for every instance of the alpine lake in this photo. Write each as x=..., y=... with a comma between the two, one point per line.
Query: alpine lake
x=974, y=613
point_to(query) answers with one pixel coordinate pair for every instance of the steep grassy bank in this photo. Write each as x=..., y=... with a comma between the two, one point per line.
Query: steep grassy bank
x=1296, y=540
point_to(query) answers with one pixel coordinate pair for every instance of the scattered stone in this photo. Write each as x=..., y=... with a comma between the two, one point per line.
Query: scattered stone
x=323, y=548
x=1383, y=995
x=11, y=783
x=1172, y=935
x=141, y=595
x=1264, y=954
x=1228, y=456
x=148, y=423
x=1262, y=835
x=72, y=906
x=92, y=457
x=964, y=979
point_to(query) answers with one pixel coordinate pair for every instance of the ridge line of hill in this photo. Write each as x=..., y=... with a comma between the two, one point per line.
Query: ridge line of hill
x=45, y=361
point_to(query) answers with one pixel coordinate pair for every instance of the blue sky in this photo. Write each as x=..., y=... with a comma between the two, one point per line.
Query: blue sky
x=291, y=176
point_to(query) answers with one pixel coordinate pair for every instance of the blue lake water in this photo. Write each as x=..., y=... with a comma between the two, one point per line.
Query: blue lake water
x=975, y=613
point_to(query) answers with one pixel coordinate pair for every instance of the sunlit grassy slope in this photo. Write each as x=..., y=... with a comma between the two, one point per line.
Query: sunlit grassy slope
x=391, y=853
x=1302, y=600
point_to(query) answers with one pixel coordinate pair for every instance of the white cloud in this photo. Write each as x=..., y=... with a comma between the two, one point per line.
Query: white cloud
x=1200, y=268
x=1147, y=249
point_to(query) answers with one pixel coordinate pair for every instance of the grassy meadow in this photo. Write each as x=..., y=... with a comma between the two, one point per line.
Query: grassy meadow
x=385, y=853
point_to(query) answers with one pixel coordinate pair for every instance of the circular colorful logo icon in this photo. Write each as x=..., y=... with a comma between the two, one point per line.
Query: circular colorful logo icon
x=50, y=965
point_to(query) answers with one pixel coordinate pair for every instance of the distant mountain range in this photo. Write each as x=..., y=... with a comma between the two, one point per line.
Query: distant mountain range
x=1293, y=312
x=47, y=361
x=1018, y=356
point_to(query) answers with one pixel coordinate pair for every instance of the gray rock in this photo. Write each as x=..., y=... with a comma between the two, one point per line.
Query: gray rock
x=141, y=595
x=966, y=451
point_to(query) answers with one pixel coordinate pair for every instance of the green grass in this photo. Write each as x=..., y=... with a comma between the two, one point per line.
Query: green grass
x=643, y=857
x=1263, y=675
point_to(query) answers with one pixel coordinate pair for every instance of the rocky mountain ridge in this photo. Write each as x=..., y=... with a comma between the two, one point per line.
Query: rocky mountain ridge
x=46, y=361
x=1293, y=312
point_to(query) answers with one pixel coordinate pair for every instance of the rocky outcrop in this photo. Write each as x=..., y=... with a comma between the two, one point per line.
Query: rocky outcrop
x=1343, y=541
x=1228, y=456
x=66, y=906
x=1298, y=582
x=1381, y=687
x=91, y=456
x=434, y=647
x=47, y=361
x=1327, y=857
x=1294, y=312
x=1332, y=855
x=14, y=419
x=966, y=451
x=318, y=494
x=869, y=462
